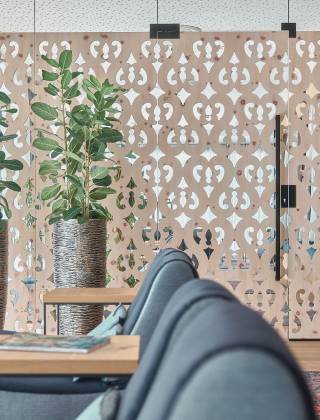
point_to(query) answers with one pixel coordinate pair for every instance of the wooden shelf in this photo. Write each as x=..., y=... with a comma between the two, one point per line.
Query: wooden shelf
x=119, y=357
x=307, y=353
x=74, y=295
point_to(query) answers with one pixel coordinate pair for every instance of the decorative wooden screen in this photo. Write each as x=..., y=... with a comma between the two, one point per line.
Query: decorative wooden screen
x=303, y=160
x=198, y=160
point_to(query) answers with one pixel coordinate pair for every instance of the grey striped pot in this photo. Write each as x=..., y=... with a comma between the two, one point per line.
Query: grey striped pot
x=79, y=256
x=3, y=271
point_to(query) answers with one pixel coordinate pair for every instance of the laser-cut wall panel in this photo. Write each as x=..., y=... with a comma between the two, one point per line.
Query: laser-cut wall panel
x=303, y=162
x=16, y=79
x=198, y=119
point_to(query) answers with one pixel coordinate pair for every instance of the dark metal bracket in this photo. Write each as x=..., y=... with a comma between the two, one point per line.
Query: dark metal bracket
x=164, y=31
x=290, y=27
x=288, y=196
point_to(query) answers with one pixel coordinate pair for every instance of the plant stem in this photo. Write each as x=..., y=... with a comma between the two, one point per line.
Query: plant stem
x=51, y=134
x=65, y=144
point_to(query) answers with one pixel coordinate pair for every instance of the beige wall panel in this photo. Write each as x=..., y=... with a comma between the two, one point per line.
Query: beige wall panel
x=303, y=169
x=198, y=120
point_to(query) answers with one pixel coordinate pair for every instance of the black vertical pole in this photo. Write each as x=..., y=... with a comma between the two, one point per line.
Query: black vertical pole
x=278, y=200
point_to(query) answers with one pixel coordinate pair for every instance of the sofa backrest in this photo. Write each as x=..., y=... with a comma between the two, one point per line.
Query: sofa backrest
x=169, y=270
x=227, y=363
x=184, y=306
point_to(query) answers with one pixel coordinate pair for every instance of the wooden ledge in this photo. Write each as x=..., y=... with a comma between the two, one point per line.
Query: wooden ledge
x=74, y=295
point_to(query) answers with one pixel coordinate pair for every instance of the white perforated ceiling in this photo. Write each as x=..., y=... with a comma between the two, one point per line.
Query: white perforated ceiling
x=135, y=15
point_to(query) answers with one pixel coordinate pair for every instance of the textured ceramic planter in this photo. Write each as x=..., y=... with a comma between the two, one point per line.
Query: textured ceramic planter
x=3, y=271
x=79, y=252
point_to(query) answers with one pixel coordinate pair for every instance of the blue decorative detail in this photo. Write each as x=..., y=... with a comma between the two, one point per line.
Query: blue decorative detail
x=286, y=246
x=29, y=282
x=311, y=251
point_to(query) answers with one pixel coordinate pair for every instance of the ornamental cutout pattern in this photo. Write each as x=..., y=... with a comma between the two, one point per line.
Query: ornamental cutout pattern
x=198, y=160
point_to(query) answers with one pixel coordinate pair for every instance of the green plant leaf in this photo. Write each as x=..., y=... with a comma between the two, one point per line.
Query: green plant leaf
x=95, y=82
x=72, y=91
x=4, y=98
x=50, y=61
x=5, y=206
x=100, y=193
x=52, y=89
x=50, y=192
x=49, y=76
x=54, y=217
x=109, y=135
x=82, y=133
x=11, y=185
x=78, y=182
x=103, y=182
x=76, y=74
x=72, y=167
x=56, y=152
x=49, y=167
x=98, y=172
x=102, y=211
x=11, y=110
x=44, y=111
x=2, y=155
x=66, y=79
x=65, y=59
x=71, y=213
x=75, y=157
x=59, y=205
x=45, y=143
x=13, y=165
x=8, y=137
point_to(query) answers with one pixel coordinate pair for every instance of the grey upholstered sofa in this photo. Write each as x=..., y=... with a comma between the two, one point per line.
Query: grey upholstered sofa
x=61, y=398
x=211, y=358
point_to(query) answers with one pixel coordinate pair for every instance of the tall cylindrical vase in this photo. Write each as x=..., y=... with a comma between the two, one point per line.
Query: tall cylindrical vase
x=3, y=270
x=79, y=252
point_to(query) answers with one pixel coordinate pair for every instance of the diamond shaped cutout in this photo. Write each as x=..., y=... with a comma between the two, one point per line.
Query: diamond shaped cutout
x=157, y=91
x=183, y=95
x=183, y=157
x=208, y=154
x=260, y=216
x=234, y=220
x=234, y=95
x=208, y=215
x=260, y=91
x=131, y=95
x=234, y=157
x=312, y=153
x=312, y=91
x=208, y=91
x=183, y=220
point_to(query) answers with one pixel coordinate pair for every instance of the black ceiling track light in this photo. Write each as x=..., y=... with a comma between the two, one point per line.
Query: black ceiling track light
x=164, y=30
x=289, y=26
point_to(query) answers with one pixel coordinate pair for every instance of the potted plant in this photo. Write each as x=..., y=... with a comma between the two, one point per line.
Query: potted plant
x=5, y=212
x=80, y=178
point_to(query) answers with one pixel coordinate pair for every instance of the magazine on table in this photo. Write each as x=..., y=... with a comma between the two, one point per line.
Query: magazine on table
x=51, y=343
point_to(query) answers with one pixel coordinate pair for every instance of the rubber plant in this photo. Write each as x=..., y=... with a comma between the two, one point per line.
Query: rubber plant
x=10, y=164
x=77, y=166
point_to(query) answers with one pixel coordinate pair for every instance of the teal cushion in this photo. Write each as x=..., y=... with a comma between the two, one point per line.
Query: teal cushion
x=112, y=325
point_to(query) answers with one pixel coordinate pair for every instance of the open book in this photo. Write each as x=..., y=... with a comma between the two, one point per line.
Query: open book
x=47, y=343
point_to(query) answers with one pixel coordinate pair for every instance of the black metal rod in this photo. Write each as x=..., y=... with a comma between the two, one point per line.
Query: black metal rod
x=45, y=319
x=278, y=201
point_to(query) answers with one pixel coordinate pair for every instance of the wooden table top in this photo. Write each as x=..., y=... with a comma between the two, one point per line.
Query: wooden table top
x=307, y=353
x=119, y=357
x=89, y=295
